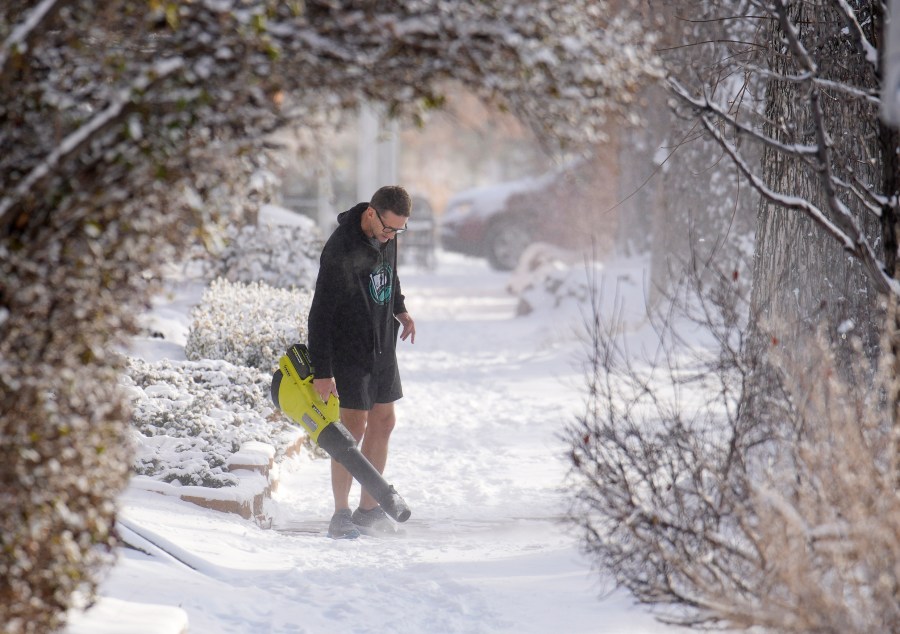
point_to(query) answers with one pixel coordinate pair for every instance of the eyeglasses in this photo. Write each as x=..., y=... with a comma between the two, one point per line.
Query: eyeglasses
x=387, y=229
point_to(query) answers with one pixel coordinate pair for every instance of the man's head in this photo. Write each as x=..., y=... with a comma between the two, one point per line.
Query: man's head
x=387, y=213
x=392, y=198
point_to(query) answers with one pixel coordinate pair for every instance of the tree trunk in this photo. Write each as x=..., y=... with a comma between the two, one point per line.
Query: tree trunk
x=803, y=279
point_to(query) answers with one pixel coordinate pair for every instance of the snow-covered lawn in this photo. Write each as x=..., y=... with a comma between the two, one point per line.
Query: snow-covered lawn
x=476, y=454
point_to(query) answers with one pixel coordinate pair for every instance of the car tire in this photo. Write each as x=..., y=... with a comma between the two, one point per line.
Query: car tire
x=508, y=239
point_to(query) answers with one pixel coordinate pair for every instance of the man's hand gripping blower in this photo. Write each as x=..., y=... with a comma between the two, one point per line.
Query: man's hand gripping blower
x=293, y=394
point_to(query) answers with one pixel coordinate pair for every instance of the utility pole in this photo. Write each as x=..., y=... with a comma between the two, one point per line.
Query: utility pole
x=377, y=152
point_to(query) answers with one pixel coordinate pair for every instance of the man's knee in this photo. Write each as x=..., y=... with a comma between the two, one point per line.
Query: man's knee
x=355, y=421
x=382, y=420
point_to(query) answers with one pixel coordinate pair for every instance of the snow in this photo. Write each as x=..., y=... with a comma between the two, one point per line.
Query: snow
x=114, y=616
x=477, y=455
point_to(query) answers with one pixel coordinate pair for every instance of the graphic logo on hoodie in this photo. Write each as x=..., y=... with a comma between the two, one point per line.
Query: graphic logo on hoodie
x=380, y=283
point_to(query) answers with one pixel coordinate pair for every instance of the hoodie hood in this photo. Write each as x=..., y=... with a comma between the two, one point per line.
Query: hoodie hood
x=352, y=214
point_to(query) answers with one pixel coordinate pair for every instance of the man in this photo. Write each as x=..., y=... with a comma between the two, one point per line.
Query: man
x=356, y=312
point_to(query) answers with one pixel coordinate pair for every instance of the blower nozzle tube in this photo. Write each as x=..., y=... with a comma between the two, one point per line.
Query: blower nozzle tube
x=339, y=443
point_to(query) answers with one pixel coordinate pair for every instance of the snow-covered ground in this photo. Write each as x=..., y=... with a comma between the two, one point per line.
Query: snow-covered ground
x=476, y=454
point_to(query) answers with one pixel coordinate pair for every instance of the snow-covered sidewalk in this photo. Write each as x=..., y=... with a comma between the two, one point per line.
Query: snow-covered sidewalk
x=476, y=454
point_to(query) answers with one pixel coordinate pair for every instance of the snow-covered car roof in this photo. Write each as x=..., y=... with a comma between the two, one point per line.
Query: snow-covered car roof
x=490, y=199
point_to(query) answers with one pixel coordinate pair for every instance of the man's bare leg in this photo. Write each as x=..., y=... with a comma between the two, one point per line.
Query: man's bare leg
x=381, y=422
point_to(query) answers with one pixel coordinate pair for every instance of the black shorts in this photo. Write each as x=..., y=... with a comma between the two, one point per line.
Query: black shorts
x=359, y=389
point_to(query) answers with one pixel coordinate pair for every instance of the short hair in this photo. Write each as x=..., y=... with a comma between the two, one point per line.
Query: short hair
x=392, y=198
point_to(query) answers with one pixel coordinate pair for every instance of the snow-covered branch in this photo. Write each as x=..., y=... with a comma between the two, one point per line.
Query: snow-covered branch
x=85, y=134
x=704, y=104
x=849, y=236
x=871, y=95
x=859, y=36
x=839, y=221
x=19, y=37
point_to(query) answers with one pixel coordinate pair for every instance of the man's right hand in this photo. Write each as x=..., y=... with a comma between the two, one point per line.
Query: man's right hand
x=325, y=387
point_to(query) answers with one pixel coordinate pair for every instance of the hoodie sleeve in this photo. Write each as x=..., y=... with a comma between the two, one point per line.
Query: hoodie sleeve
x=322, y=313
x=399, y=299
x=399, y=303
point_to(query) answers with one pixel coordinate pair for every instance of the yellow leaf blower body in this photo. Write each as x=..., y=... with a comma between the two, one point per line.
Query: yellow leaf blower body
x=294, y=395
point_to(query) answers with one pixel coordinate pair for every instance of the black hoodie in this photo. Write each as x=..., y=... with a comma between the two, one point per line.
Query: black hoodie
x=351, y=320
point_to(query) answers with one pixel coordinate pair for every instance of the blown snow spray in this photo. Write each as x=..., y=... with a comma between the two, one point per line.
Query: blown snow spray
x=293, y=394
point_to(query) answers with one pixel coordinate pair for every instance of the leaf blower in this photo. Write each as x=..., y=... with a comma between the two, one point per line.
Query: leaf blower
x=294, y=395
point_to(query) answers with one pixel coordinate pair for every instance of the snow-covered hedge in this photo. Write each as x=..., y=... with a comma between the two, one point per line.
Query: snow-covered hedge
x=189, y=417
x=280, y=254
x=247, y=324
